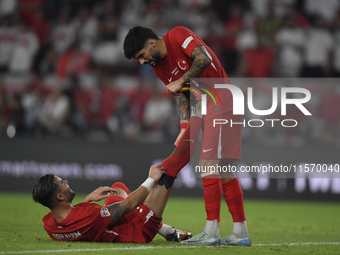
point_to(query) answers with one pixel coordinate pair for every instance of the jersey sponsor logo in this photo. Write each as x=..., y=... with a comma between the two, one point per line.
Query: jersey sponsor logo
x=182, y=64
x=204, y=150
x=187, y=41
x=104, y=212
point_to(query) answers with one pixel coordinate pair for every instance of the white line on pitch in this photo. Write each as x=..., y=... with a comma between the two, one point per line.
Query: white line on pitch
x=160, y=247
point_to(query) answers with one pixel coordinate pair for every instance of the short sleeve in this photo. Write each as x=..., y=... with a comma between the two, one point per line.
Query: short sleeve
x=98, y=217
x=186, y=39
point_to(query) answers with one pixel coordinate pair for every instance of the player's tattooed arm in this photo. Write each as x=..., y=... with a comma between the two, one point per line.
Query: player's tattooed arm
x=118, y=210
x=183, y=107
x=129, y=204
x=201, y=62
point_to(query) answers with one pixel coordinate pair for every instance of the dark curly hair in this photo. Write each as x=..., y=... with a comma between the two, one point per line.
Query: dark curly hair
x=45, y=190
x=136, y=39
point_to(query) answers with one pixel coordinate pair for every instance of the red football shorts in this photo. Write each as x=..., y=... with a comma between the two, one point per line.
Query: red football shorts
x=139, y=226
x=220, y=139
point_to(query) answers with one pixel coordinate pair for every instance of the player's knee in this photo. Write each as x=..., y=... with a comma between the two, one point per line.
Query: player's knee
x=210, y=181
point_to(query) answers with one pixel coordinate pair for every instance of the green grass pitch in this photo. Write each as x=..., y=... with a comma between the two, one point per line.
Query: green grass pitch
x=278, y=223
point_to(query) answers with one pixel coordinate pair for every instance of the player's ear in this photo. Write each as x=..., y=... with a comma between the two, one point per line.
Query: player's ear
x=152, y=43
x=60, y=197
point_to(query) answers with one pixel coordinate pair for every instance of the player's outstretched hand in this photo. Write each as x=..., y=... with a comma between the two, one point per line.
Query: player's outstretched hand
x=175, y=87
x=156, y=172
x=99, y=194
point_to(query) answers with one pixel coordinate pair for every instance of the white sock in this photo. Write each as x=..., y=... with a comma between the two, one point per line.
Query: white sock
x=165, y=230
x=240, y=229
x=212, y=228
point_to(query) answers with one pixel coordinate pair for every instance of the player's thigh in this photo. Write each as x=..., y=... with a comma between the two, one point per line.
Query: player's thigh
x=221, y=140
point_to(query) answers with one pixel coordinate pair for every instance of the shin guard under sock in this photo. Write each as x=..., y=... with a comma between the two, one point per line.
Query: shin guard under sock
x=234, y=198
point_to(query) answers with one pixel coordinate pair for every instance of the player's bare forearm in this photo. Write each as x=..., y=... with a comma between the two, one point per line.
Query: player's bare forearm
x=183, y=108
x=129, y=204
x=201, y=62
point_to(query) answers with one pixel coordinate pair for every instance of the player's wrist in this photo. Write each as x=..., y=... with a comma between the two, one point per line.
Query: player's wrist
x=148, y=184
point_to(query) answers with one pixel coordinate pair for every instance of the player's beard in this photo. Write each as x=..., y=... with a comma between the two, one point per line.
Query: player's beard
x=156, y=57
x=70, y=195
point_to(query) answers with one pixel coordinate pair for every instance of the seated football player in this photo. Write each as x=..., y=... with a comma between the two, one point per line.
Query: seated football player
x=125, y=217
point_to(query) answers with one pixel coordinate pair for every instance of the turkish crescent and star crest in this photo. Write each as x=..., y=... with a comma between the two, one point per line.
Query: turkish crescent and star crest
x=182, y=64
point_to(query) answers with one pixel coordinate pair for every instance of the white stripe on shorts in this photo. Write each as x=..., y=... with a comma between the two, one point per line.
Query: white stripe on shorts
x=219, y=146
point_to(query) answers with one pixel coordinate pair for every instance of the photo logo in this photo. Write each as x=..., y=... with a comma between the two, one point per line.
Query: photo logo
x=201, y=89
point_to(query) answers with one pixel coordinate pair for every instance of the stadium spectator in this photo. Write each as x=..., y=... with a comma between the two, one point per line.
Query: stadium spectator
x=7, y=7
x=330, y=109
x=125, y=218
x=258, y=61
x=325, y=9
x=73, y=62
x=157, y=111
x=121, y=122
x=86, y=26
x=336, y=47
x=38, y=23
x=15, y=115
x=82, y=116
x=318, y=50
x=53, y=113
x=63, y=32
x=138, y=100
x=290, y=40
x=46, y=62
x=232, y=27
x=108, y=97
x=30, y=102
x=8, y=34
x=107, y=51
x=24, y=50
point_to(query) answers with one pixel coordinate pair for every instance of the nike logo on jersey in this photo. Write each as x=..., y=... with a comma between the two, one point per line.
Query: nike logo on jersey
x=170, y=79
x=204, y=150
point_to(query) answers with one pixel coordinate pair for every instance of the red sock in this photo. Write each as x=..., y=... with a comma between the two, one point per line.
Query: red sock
x=233, y=196
x=184, y=149
x=212, y=196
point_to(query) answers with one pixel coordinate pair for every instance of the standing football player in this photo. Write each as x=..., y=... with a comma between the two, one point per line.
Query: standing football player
x=176, y=58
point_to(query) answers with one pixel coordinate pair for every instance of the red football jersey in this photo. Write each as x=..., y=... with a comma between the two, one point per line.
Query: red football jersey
x=180, y=43
x=86, y=222
x=90, y=222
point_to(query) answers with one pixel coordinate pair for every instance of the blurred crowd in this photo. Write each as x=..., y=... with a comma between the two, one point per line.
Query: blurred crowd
x=63, y=73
